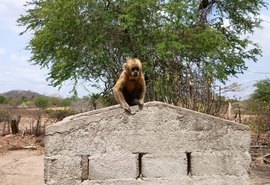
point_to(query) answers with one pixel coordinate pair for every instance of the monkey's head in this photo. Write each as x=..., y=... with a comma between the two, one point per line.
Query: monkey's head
x=133, y=67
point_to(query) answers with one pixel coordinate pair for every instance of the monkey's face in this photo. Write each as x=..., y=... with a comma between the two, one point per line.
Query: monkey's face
x=133, y=67
x=135, y=71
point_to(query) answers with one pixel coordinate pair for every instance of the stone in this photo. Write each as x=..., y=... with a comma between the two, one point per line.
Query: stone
x=159, y=145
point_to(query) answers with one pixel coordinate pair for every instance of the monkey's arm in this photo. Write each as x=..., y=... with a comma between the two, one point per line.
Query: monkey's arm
x=118, y=93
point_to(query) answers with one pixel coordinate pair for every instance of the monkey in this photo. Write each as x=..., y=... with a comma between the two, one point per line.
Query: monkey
x=130, y=87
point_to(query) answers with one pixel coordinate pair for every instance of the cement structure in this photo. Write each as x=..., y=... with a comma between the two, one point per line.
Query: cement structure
x=159, y=145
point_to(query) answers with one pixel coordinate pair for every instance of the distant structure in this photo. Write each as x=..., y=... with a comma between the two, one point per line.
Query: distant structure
x=229, y=112
x=160, y=145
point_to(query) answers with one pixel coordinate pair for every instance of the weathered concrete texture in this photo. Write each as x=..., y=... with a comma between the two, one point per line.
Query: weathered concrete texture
x=159, y=145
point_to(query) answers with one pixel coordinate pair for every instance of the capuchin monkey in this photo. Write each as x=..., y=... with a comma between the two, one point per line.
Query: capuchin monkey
x=130, y=87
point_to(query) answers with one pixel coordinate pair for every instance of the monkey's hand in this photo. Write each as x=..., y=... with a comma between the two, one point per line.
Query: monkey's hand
x=127, y=108
x=140, y=103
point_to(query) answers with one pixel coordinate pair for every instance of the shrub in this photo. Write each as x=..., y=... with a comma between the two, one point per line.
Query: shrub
x=59, y=115
x=3, y=100
x=42, y=101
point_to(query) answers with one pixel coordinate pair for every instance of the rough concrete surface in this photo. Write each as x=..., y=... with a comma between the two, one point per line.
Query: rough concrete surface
x=159, y=145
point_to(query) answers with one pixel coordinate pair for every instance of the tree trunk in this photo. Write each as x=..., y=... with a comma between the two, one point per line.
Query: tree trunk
x=4, y=128
x=37, y=130
x=15, y=124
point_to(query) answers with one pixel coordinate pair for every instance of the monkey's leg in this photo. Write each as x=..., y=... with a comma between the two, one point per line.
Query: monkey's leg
x=141, y=96
x=137, y=102
x=140, y=104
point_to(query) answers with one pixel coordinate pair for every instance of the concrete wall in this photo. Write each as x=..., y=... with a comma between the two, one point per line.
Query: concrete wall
x=160, y=145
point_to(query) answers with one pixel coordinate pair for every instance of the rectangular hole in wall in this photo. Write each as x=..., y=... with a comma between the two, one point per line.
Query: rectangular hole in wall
x=140, y=170
x=188, y=155
x=85, y=167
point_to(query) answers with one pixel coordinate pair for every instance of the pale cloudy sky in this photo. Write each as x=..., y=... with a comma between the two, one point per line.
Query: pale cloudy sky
x=15, y=72
x=18, y=74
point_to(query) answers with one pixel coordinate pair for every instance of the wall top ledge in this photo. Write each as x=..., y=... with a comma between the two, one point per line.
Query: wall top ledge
x=149, y=108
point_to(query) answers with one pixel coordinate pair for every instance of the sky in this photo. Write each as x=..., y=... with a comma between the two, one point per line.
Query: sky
x=16, y=73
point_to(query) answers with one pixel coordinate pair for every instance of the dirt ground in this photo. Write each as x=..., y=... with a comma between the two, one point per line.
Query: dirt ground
x=260, y=175
x=25, y=167
x=22, y=167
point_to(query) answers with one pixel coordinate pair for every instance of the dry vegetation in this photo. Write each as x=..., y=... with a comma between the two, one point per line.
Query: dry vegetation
x=26, y=138
x=18, y=142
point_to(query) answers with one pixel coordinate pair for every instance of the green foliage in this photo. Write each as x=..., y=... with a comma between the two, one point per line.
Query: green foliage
x=59, y=115
x=262, y=91
x=183, y=49
x=60, y=102
x=258, y=105
x=3, y=100
x=15, y=102
x=42, y=101
x=55, y=101
x=66, y=102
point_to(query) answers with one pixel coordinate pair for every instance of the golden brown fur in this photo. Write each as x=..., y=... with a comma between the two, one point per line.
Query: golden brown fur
x=130, y=87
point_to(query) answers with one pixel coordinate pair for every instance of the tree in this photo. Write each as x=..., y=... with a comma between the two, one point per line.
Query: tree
x=14, y=124
x=93, y=98
x=258, y=104
x=3, y=100
x=66, y=102
x=42, y=101
x=262, y=92
x=261, y=102
x=184, y=48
